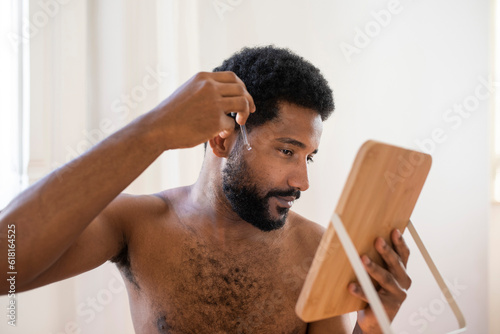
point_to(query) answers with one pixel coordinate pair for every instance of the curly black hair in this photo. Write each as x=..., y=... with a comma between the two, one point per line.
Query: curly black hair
x=273, y=75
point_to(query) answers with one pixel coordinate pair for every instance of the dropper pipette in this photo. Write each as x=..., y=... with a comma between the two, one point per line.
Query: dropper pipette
x=243, y=134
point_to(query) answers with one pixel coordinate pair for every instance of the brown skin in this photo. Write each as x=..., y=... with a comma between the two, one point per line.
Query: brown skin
x=189, y=262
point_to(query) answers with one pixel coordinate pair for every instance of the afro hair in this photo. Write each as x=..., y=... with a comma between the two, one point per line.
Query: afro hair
x=273, y=75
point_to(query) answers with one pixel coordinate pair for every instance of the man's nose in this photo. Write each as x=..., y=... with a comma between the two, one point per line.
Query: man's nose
x=299, y=178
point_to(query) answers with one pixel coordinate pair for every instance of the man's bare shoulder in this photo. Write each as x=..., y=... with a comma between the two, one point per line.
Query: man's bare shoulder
x=127, y=211
x=128, y=207
x=304, y=233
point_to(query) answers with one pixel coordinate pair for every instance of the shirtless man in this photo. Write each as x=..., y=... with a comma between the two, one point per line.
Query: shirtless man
x=224, y=255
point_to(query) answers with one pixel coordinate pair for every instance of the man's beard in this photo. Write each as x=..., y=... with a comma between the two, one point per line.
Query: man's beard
x=244, y=196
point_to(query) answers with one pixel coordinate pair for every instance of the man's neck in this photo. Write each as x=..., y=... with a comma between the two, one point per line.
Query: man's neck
x=216, y=217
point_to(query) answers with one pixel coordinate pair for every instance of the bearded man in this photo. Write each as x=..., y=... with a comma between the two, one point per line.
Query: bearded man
x=226, y=254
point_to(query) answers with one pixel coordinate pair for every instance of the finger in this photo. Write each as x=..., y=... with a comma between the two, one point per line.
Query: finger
x=241, y=118
x=356, y=290
x=231, y=89
x=227, y=126
x=400, y=246
x=390, y=303
x=382, y=276
x=394, y=263
x=234, y=104
x=251, y=102
x=226, y=76
x=239, y=105
x=237, y=90
x=225, y=133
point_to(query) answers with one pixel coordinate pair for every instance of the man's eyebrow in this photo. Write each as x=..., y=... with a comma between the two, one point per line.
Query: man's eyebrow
x=291, y=141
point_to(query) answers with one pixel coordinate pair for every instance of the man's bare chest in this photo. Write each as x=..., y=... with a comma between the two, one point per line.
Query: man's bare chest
x=196, y=287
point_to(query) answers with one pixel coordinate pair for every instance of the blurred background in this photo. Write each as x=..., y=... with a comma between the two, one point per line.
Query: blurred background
x=417, y=74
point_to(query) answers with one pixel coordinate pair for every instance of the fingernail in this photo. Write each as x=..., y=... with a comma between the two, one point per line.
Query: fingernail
x=384, y=244
x=398, y=234
x=366, y=260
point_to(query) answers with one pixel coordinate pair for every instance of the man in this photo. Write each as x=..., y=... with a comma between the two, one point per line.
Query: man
x=224, y=255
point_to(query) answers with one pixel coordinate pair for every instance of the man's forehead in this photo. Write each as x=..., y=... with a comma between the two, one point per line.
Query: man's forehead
x=295, y=123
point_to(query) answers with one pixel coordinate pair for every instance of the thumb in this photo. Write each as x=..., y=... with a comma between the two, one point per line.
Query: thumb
x=227, y=125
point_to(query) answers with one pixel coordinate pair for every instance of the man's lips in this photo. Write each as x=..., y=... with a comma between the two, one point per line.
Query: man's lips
x=285, y=201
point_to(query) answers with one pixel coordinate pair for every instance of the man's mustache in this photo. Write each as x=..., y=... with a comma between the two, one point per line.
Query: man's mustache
x=284, y=193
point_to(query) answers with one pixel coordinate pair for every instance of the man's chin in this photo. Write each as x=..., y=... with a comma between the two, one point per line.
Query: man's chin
x=269, y=225
x=277, y=223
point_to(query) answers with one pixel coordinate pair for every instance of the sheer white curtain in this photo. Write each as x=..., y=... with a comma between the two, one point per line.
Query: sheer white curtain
x=494, y=249
x=496, y=111
x=12, y=142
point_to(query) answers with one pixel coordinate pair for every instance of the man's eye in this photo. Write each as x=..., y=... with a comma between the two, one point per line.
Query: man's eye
x=286, y=152
x=310, y=160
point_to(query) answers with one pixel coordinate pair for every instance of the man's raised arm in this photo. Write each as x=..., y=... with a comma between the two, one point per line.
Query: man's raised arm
x=51, y=215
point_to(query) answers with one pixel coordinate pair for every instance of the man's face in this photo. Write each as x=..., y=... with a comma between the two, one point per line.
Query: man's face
x=262, y=184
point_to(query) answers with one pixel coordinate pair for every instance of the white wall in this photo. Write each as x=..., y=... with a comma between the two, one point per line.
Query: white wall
x=429, y=57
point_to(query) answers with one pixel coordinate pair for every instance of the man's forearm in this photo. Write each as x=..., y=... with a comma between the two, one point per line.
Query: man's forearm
x=52, y=213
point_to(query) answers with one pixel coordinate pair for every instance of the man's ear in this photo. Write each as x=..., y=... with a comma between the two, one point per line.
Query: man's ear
x=222, y=146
